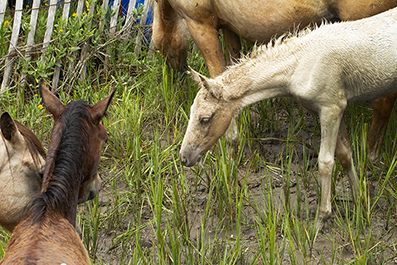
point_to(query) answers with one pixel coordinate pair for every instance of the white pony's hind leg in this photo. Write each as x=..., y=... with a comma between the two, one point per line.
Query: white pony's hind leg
x=344, y=153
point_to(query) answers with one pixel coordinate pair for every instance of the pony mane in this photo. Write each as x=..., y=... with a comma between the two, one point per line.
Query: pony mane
x=277, y=46
x=66, y=160
x=34, y=145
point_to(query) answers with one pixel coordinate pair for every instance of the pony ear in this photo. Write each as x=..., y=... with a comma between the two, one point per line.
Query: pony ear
x=197, y=77
x=99, y=109
x=50, y=101
x=8, y=127
x=207, y=83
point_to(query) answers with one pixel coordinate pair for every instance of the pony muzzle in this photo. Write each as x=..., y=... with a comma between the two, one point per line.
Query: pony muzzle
x=190, y=159
x=92, y=189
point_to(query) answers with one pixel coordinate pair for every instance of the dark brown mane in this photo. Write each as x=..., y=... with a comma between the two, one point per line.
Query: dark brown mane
x=65, y=162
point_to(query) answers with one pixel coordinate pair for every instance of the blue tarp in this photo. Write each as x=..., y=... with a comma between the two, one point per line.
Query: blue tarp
x=138, y=3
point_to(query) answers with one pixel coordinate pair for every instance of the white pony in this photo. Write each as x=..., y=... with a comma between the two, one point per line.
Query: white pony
x=324, y=70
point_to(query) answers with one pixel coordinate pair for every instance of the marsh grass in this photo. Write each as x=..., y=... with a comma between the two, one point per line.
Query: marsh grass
x=254, y=204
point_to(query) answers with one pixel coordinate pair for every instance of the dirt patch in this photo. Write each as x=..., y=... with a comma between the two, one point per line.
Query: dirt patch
x=267, y=186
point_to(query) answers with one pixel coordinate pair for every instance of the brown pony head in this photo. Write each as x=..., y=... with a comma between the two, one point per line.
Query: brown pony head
x=71, y=171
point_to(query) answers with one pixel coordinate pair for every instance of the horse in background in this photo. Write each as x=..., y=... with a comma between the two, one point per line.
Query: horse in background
x=47, y=234
x=323, y=71
x=22, y=159
x=257, y=22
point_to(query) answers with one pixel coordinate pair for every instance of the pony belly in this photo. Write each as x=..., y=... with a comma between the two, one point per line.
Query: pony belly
x=365, y=92
x=261, y=20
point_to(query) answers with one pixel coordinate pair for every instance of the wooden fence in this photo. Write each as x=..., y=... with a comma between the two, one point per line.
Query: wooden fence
x=53, y=8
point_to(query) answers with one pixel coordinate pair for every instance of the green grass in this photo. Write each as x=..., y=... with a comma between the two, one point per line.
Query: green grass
x=249, y=205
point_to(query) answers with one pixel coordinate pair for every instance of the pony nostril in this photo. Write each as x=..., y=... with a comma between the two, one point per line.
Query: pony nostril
x=92, y=195
x=184, y=161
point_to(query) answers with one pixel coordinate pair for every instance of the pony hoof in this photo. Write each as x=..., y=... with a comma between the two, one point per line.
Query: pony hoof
x=324, y=221
x=324, y=225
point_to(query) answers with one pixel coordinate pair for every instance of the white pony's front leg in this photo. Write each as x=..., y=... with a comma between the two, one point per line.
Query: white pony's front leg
x=232, y=132
x=330, y=119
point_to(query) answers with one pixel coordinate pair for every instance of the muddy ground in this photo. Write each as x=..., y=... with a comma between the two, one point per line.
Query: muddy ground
x=302, y=199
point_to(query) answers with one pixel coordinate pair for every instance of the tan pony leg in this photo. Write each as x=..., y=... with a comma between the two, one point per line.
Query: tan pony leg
x=205, y=36
x=382, y=110
x=232, y=44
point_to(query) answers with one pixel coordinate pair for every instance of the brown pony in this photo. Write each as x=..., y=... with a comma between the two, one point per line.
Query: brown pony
x=47, y=234
x=22, y=159
x=256, y=21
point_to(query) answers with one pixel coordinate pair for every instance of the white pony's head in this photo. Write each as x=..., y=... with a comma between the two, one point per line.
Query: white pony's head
x=210, y=116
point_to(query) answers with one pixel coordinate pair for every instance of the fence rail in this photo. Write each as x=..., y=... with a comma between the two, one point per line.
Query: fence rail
x=23, y=46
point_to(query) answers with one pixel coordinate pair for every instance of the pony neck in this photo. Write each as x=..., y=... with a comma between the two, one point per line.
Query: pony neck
x=268, y=74
x=65, y=166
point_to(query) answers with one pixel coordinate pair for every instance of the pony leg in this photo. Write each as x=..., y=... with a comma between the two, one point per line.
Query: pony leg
x=205, y=36
x=233, y=48
x=232, y=44
x=344, y=153
x=330, y=118
x=382, y=110
x=170, y=35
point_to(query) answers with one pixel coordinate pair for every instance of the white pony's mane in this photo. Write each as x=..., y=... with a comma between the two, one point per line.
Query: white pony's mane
x=276, y=46
x=273, y=47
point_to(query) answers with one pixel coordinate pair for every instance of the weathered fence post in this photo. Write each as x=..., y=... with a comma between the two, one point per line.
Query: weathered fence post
x=3, y=5
x=84, y=50
x=50, y=26
x=30, y=41
x=57, y=71
x=105, y=5
x=130, y=15
x=13, y=44
x=141, y=34
x=113, y=19
x=74, y=69
x=72, y=66
x=113, y=23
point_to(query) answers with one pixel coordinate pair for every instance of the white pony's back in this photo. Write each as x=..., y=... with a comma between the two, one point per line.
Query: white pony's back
x=361, y=56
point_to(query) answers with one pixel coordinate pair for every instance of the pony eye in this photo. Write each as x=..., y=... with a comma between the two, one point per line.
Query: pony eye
x=205, y=120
